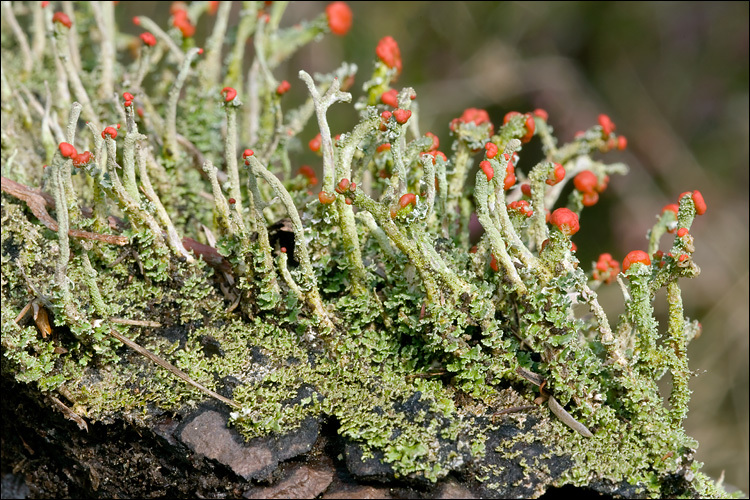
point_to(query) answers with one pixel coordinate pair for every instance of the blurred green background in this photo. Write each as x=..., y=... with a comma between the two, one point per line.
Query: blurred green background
x=673, y=76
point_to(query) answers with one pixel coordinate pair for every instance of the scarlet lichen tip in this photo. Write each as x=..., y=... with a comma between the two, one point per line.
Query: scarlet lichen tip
x=586, y=182
x=389, y=53
x=510, y=176
x=109, y=131
x=491, y=150
x=540, y=113
x=148, y=39
x=315, y=143
x=672, y=207
x=283, y=87
x=530, y=128
x=633, y=257
x=248, y=152
x=339, y=18
x=565, y=220
x=67, y=150
x=473, y=115
x=699, y=202
x=62, y=18
x=326, y=198
x=229, y=93
x=435, y=141
x=82, y=159
x=407, y=199
x=486, y=167
x=181, y=21
x=606, y=269
x=607, y=125
x=557, y=175
x=521, y=206
x=390, y=98
x=342, y=186
x=402, y=115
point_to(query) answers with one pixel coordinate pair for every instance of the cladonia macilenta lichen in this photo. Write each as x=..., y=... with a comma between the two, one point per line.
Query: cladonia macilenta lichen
x=153, y=196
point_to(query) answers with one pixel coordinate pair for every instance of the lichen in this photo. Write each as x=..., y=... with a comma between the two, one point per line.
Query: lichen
x=365, y=302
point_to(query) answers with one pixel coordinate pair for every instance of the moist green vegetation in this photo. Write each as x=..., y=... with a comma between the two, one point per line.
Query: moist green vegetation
x=189, y=231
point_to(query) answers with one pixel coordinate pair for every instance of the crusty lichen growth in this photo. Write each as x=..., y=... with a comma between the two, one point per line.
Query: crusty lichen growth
x=376, y=311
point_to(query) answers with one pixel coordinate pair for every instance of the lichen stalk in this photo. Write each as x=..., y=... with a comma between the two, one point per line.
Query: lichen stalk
x=170, y=131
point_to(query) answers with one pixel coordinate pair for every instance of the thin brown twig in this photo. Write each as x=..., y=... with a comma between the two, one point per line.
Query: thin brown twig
x=38, y=206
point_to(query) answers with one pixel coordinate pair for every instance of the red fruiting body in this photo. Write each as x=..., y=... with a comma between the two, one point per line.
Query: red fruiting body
x=672, y=207
x=530, y=128
x=315, y=143
x=475, y=116
x=402, y=115
x=509, y=116
x=212, y=8
x=127, y=96
x=343, y=186
x=247, y=152
x=510, y=177
x=633, y=257
x=683, y=257
x=590, y=199
x=491, y=149
x=435, y=141
x=232, y=201
x=526, y=189
x=62, y=18
x=607, y=125
x=148, y=38
x=383, y=147
x=622, y=142
x=565, y=220
x=493, y=264
x=109, y=131
x=283, y=87
x=326, y=198
x=67, y=150
x=487, y=169
x=700, y=203
x=348, y=201
x=682, y=232
x=540, y=113
x=180, y=21
x=607, y=269
x=307, y=171
x=388, y=52
x=82, y=159
x=229, y=93
x=136, y=20
x=586, y=182
x=390, y=98
x=438, y=154
x=521, y=206
x=557, y=175
x=407, y=199
x=339, y=18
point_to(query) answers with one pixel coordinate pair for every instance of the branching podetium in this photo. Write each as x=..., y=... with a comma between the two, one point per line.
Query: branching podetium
x=166, y=219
